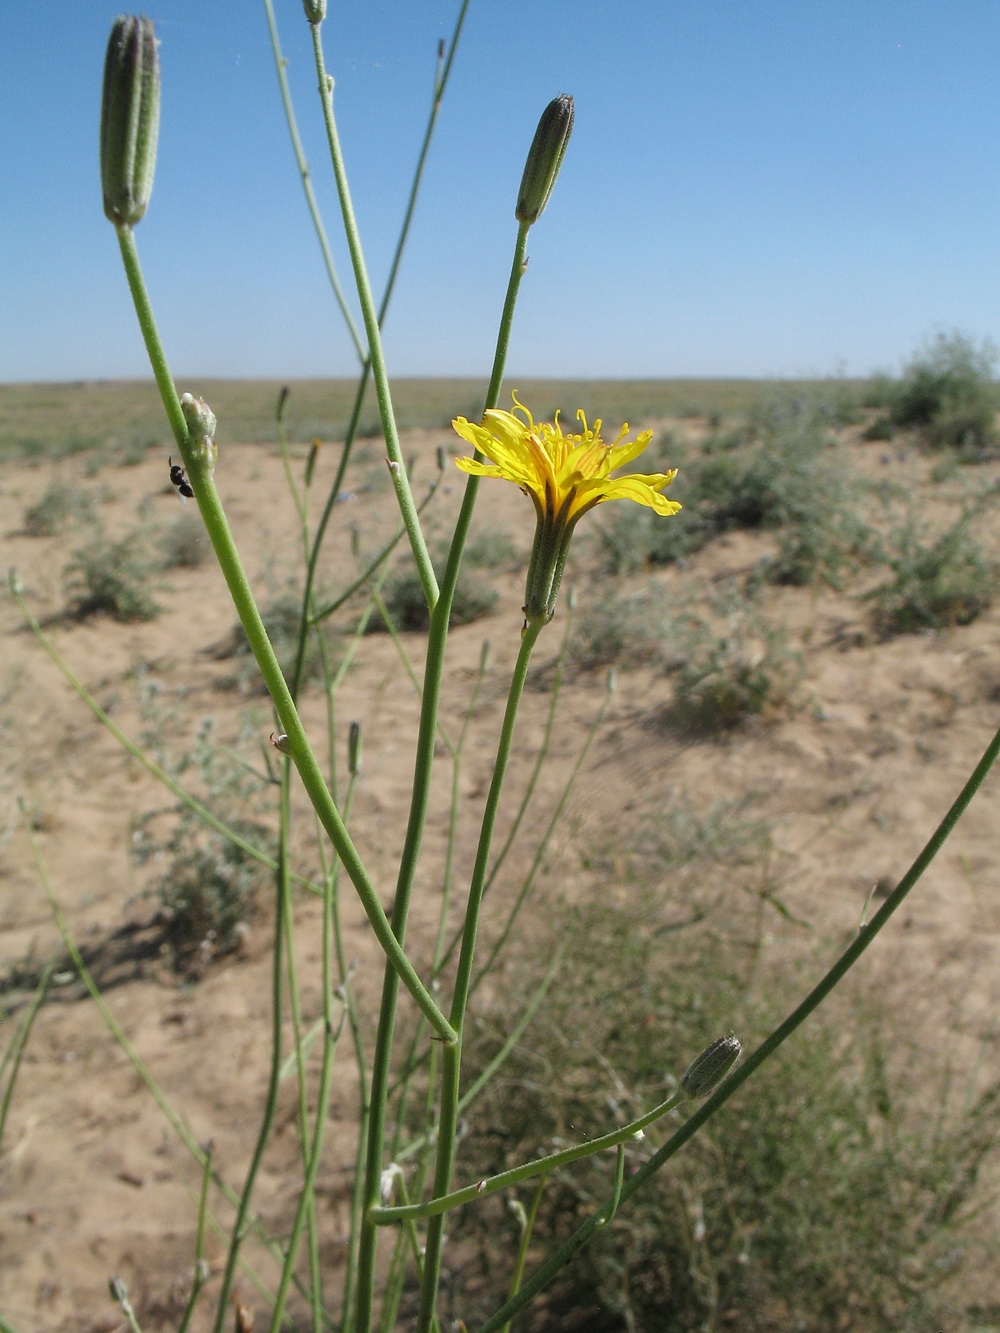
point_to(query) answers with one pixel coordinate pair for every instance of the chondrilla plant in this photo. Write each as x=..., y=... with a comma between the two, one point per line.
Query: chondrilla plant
x=409, y=1173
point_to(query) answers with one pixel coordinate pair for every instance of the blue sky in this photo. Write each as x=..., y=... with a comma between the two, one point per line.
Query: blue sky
x=754, y=187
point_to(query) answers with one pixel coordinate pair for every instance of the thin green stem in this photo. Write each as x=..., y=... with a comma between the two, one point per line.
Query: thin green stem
x=374, y=565
x=433, y=670
x=15, y=1052
x=281, y=64
x=510, y=1044
x=297, y=743
x=201, y=1269
x=517, y=270
x=397, y=467
x=298, y=1056
x=540, y=851
x=270, y=1097
x=452, y=1056
x=526, y=1233
x=528, y=1170
x=865, y=937
x=441, y=77
x=543, y=749
x=119, y=1293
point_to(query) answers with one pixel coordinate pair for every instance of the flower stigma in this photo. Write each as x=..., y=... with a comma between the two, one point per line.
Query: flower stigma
x=564, y=475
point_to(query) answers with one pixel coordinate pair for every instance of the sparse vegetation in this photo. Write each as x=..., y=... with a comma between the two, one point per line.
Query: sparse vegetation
x=937, y=582
x=281, y=616
x=111, y=579
x=491, y=548
x=207, y=887
x=837, y=1201
x=620, y=630
x=948, y=393
x=403, y=595
x=727, y=675
x=185, y=544
x=830, y=1188
x=61, y=506
x=789, y=479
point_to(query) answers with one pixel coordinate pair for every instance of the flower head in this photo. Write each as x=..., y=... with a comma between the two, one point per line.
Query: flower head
x=565, y=475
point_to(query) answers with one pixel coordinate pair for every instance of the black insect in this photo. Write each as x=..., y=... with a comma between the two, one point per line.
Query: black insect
x=179, y=478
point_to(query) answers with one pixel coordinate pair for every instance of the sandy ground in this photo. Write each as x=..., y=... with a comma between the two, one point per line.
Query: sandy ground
x=93, y=1183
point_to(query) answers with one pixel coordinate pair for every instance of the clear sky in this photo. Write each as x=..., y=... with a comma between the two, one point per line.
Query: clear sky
x=753, y=187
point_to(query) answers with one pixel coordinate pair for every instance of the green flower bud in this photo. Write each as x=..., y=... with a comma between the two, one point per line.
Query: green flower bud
x=130, y=119
x=200, y=418
x=354, y=749
x=315, y=10
x=201, y=423
x=544, y=158
x=709, y=1069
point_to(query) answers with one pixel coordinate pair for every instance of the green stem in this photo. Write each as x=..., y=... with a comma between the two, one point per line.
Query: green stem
x=485, y=1076
x=298, y=745
x=527, y=1170
x=280, y=64
x=526, y=1232
x=271, y=1096
x=440, y=83
x=201, y=1269
x=452, y=1055
x=397, y=467
x=738, y=1077
x=434, y=667
x=15, y=1052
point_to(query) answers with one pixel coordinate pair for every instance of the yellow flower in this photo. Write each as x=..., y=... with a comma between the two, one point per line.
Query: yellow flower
x=565, y=475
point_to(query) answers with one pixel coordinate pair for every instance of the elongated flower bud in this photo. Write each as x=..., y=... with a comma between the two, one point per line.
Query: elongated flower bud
x=130, y=119
x=545, y=156
x=354, y=749
x=315, y=10
x=708, y=1070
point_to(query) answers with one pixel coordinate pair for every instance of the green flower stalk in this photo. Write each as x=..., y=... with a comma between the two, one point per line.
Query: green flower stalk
x=130, y=119
x=548, y=148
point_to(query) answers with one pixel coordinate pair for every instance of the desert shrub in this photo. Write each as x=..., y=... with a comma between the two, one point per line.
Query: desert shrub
x=825, y=542
x=879, y=430
x=619, y=631
x=878, y=393
x=59, y=508
x=403, y=595
x=207, y=887
x=832, y=1192
x=281, y=615
x=110, y=578
x=936, y=583
x=491, y=548
x=786, y=480
x=948, y=393
x=185, y=544
x=729, y=673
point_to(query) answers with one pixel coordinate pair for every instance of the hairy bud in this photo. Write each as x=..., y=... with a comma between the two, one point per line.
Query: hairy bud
x=708, y=1070
x=130, y=119
x=545, y=156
